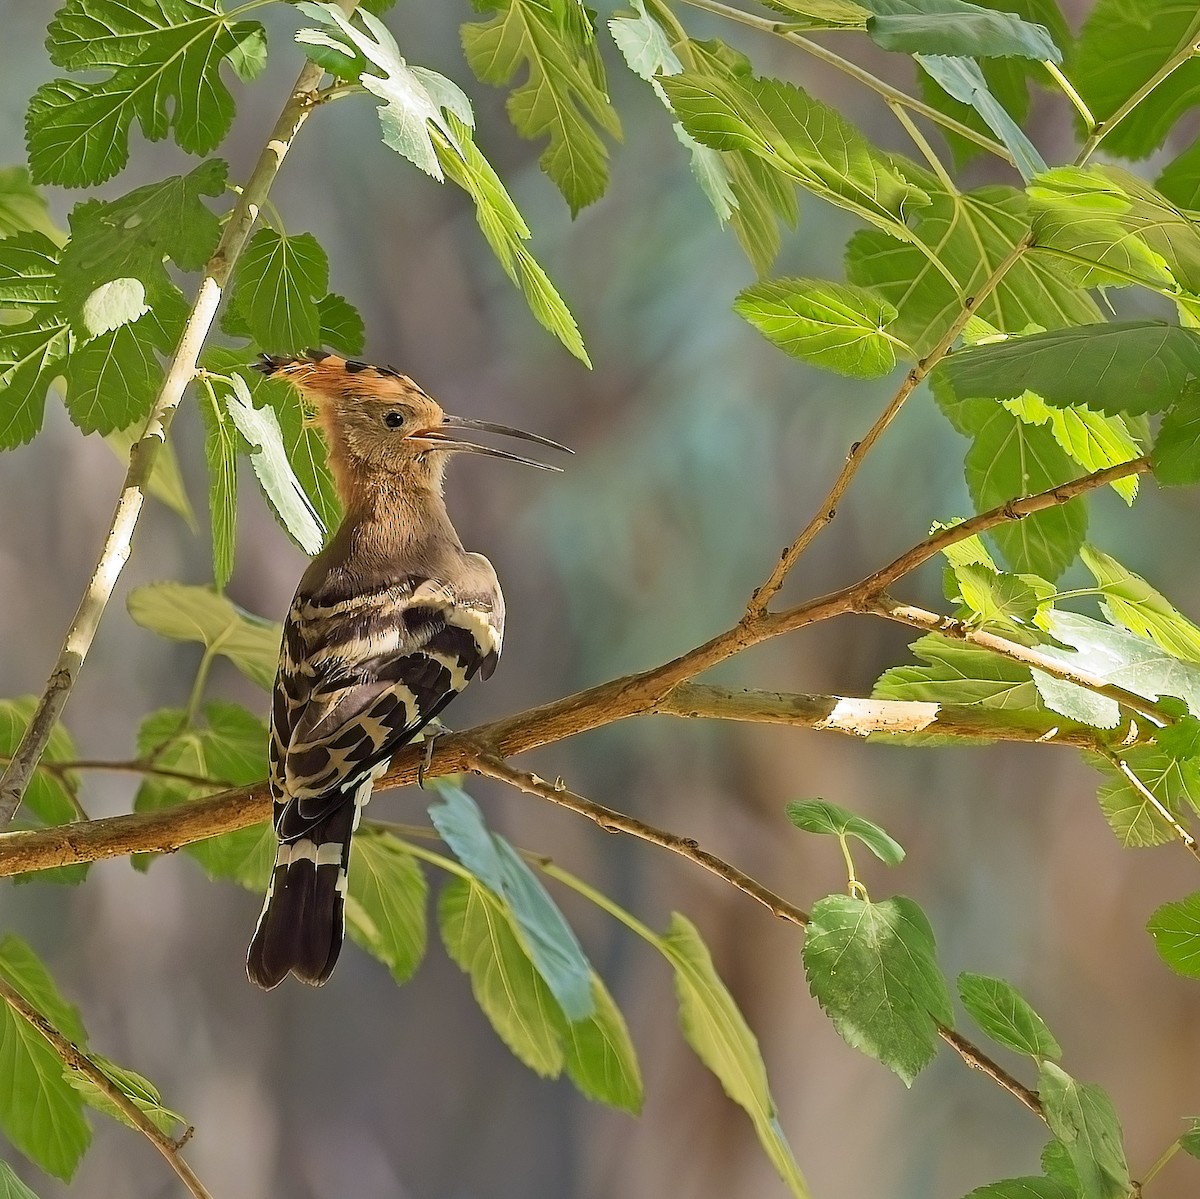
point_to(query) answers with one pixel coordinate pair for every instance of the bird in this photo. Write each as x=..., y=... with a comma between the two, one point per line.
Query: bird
x=390, y=621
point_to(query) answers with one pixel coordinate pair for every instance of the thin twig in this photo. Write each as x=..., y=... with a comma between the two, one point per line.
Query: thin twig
x=1068, y=89
x=877, y=85
x=762, y=597
x=118, y=542
x=1185, y=838
x=75, y=1059
x=130, y=766
x=978, y=1060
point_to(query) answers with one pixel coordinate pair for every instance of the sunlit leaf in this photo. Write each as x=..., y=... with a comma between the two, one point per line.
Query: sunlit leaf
x=1175, y=928
x=818, y=816
x=277, y=285
x=1006, y=1016
x=385, y=912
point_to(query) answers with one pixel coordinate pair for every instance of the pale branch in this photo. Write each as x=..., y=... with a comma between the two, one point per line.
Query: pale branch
x=73, y=1058
x=118, y=542
x=949, y=626
x=1185, y=838
x=780, y=28
x=762, y=596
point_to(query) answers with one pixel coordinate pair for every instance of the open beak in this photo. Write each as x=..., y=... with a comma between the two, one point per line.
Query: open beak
x=437, y=438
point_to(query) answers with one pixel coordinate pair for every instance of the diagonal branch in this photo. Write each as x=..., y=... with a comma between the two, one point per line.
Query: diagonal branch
x=73, y=1058
x=118, y=542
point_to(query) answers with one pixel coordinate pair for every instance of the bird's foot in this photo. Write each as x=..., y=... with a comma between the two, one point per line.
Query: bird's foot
x=434, y=730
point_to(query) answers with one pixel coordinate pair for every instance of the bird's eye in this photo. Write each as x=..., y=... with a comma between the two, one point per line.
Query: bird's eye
x=393, y=420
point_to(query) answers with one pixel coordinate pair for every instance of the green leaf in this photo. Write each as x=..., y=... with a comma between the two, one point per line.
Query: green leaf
x=1005, y=1015
x=1024, y=1188
x=1131, y=366
x=822, y=14
x=804, y=140
x=11, y=1187
x=185, y=613
x=955, y=673
x=23, y=208
x=1057, y=1165
x=1190, y=1141
x=127, y=240
x=278, y=283
x=1180, y=179
x=818, y=816
x=832, y=325
x=273, y=469
x=220, y=453
x=40, y=1112
x=998, y=598
x=506, y=232
x=342, y=327
x=600, y=1057
x=873, y=969
x=1133, y=604
x=1175, y=928
x=716, y=1029
x=47, y=796
x=385, y=911
x=166, y=482
x=956, y=28
x=1176, y=456
x=1121, y=47
x=564, y=96
x=1081, y=1116
x=162, y=66
x=551, y=943
x=970, y=235
x=137, y=1089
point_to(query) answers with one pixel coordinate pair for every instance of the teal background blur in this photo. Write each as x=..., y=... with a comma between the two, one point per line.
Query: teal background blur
x=701, y=451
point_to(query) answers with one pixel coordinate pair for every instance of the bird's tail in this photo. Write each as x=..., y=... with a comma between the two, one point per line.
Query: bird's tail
x=303, y=919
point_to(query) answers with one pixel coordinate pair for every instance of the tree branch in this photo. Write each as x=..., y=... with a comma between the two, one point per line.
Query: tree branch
x=118, y=542
x=75, y=1059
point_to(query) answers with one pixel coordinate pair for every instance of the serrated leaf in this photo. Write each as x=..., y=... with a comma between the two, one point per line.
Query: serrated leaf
x=220, y=454
x=278, y=281
x=185, y=613
x=1123, y=367
x=342, y=327
x=1176, y=456
x=1121, y=47
x=822, y=14
x=962, y=79
x=833, y=325
x=1175, y=928
x=273, y=469
x=23, y=208
x=873, y=969
x=600, y=1058
x=1081, y=1116
x=955, y=673
x=818, y=816
x=996, y=597
x=1024, y=1188
x=564, y=96
x=1006, y=1016
x=138, y=1089
x=970, y=235
x=952, y=27
x=1180, y=178
x=11, y=1187
x=717, y=1031
x=40, y=1112
x=161, y=62
x=549, y=939
x=385, y=913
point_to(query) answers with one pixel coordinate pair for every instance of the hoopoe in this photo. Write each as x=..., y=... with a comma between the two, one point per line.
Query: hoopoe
x=390, y=621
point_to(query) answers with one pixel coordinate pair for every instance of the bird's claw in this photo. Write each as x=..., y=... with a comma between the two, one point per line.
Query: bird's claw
x=431, y=740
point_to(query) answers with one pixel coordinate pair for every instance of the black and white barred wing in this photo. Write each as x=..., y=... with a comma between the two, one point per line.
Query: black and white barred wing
x=359, y=678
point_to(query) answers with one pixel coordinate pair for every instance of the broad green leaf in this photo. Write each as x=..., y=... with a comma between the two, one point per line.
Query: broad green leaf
x=28, y=268
x=185, y=613
x=873, y=969
x=385, y=912
x=832, y=325
x=1130, y=367
x=1190, y=1141
x=136, y=1088
x=47, y=796
x=1176, y=455
x=161, y=61
x=126, y=240
x=480, y=937
x=956, y=28
x=1121, y=47
x=220, y=454
x=40, y=1112
x=342, y=327
x=716, y=1029
x=1132, y=603
x=962, y=79
x=564, y=96
x=818, y=816
x=11, y=1187
x=970, y=234
x=998, y=598
x=1024, y=1188
x=506, y=232
x=600, y=1058
x=1005, y=1015
x=272, y=468
x=23, y=208
x=802, y=139
x=955, y=673
x=277, y=285
x=547, y=936
x=1175, y=928
x=822, y=14
x=1180, y=179
x=166, y=482
x=1082, y=1118
x=1057, y=1165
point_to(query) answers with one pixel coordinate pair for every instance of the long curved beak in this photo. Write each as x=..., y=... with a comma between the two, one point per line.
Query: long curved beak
x=436, y=437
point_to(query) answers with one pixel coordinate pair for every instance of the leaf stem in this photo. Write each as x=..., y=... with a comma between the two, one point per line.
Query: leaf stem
x=1164, y=1157
x=926, y=149
x=118, y=542
x=1071, y=94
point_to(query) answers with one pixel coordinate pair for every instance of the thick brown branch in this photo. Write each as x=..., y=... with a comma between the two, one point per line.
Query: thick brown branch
x=75, y=1059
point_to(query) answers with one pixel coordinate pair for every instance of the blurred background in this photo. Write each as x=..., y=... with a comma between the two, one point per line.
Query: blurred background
x=701, y=451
